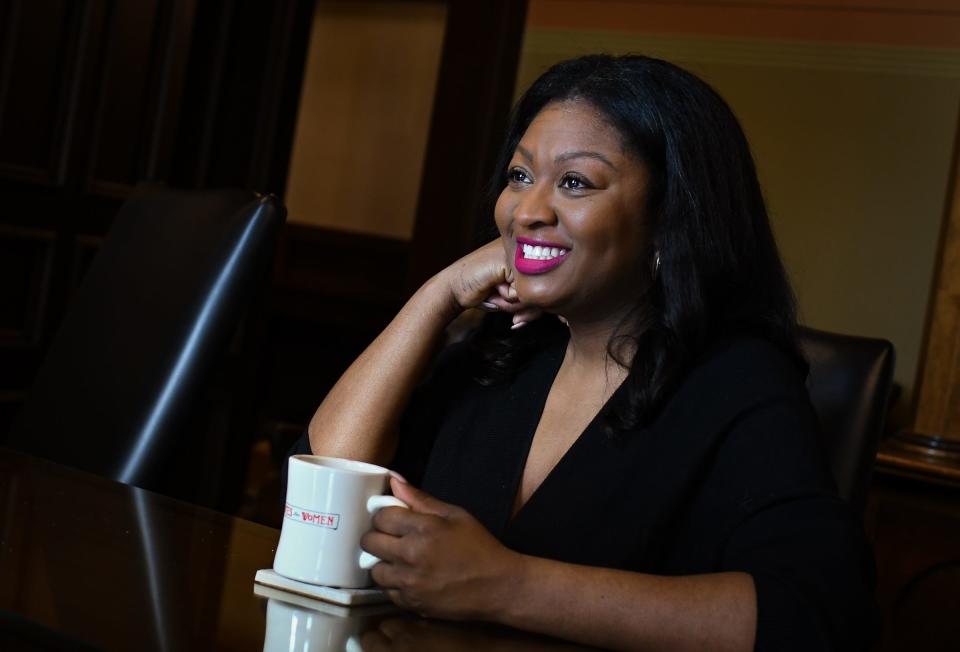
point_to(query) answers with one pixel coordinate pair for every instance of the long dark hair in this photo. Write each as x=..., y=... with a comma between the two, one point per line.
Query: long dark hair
x=720, y=274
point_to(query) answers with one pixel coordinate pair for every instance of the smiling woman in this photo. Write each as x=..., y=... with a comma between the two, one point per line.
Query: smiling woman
x=624, y=454
x=571, y=162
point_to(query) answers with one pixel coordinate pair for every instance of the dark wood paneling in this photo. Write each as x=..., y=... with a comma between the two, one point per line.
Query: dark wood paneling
x=475, y=84
x=916, y=532
x=333, y=292
x=139, y=93
x=35, y=69
x=241, y=94
x=96, y=95
x=127, y=74
x=26, y=266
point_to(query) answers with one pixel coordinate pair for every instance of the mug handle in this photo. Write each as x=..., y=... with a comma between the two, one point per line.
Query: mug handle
x=375, y=504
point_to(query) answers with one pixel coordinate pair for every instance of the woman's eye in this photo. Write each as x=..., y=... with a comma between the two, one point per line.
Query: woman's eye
x=516, y=175
x=574, y=182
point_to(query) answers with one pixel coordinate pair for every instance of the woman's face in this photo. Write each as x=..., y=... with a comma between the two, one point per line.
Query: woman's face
x=572, y=215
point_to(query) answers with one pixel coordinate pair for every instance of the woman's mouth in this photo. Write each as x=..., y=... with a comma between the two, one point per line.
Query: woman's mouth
x=536, y=257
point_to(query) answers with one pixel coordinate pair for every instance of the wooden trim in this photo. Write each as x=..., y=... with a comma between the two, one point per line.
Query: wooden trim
x=214, y=93
x=932, y=23
x=739, y=51
x=931, y=449
x=174, y=48
x=938, y=399
x=85, y=32
x=481, y=44
x=8, y=18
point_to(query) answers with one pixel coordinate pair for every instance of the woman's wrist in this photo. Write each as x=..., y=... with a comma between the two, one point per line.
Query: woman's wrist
x=509, y=587
x=439, y=289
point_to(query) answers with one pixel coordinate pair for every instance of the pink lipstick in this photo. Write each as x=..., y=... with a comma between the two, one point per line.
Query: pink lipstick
x=537, y=256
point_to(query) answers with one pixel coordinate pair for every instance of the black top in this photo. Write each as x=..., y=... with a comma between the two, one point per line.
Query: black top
x=729, y=477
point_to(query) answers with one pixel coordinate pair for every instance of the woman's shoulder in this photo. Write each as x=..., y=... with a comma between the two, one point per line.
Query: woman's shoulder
x=750, y=364
x=733, y=377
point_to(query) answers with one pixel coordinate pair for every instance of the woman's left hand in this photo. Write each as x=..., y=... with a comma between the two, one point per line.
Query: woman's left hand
x=437, y=559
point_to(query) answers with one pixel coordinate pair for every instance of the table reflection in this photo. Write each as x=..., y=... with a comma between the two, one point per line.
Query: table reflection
x=299, y=624
x=87, y=563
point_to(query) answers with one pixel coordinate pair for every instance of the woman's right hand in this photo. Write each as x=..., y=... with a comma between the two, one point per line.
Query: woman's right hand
x=484, y=278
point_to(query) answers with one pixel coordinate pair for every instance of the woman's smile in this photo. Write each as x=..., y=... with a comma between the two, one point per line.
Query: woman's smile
x=537, y=256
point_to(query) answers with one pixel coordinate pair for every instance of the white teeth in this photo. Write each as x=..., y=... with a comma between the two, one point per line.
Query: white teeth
x=532, y=252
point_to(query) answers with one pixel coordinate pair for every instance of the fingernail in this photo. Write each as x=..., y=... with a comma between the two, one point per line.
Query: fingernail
x=519, y=324
x=394, y=474
x=489, y=305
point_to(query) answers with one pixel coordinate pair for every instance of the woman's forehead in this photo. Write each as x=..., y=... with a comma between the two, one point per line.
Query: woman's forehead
x=572, y=124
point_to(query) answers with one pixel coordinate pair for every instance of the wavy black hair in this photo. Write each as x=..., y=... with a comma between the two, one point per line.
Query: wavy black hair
x=720, y=273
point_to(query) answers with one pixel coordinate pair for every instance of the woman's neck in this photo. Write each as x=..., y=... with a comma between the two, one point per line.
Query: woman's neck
x=589, y=346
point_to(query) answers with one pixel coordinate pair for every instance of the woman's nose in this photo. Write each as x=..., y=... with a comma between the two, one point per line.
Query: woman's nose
x=535, y=208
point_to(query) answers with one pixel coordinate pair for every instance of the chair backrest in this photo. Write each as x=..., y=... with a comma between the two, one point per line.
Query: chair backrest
x=849, y=384
x=151, y=319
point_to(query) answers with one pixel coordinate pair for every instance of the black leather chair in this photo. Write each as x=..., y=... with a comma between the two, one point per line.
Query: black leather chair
x=121, y=386
x=849, y=384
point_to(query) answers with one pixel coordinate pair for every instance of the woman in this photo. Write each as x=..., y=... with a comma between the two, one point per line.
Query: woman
x=625, y=455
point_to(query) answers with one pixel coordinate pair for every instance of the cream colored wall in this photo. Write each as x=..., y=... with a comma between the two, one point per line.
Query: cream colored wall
x=364, y=116
x=853, y=145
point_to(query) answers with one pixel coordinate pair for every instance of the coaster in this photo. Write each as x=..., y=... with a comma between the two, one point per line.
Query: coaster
x=336, y=595
x=328, y=608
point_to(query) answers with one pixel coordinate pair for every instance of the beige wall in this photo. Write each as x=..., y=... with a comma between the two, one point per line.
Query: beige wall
x=364, y=116
x=853, y=145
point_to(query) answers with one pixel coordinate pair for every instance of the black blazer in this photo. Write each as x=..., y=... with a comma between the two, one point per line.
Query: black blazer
x=729, y=477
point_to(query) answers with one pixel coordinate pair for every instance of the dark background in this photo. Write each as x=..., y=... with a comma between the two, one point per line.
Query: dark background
x=97, y=95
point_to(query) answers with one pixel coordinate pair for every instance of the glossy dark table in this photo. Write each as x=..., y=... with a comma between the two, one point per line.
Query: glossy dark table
x=87, y=563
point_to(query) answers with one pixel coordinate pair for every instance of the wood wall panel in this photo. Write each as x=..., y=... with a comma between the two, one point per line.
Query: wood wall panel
x=938, y=405
x=139, y=94
x=478, y=69
x=26, y=265
x=97, y=95
x=128, y=72
x=34, y=86
x=241, y=92
x=912, y=23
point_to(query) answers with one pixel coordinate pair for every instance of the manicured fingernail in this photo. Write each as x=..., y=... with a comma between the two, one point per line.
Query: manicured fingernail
x=519, y=324
x=394, y=474
x=489, y=305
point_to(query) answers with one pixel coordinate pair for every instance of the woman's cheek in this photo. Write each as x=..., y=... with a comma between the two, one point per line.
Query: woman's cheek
x=501, y=213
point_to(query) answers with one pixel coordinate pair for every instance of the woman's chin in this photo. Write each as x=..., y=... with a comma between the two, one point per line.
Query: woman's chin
x=545, y=303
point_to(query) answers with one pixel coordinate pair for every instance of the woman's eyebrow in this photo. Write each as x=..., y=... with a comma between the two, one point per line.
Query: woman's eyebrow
x=567, y=156
x=583, y=153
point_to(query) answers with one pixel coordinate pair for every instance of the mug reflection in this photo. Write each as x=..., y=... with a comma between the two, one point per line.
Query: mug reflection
x=295, y=625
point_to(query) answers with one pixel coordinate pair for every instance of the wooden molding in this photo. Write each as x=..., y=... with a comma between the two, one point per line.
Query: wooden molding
x=932, y=448
x=752, y=51
x=938, y=399
x=913, y=23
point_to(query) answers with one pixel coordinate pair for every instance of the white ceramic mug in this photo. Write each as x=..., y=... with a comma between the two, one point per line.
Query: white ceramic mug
x=330, y=503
